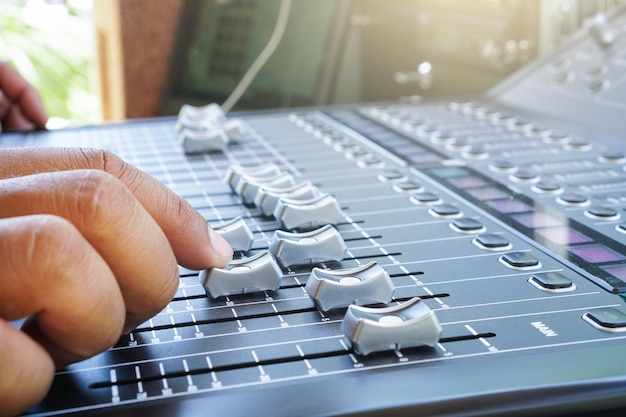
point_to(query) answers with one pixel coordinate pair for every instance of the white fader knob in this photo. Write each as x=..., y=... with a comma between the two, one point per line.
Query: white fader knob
x=321, y=245
x=235, y=173
x=199, y=117
x=243, y=276
x=409, y=324
x=205, y=140
x=249, y=185
x=366, y=284
x=236, y=232
x=206, y=129
x=268, y=196
x=316, y=211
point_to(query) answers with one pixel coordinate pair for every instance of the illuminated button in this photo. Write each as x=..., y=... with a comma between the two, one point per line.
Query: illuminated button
x=321, y=245
x=607, y=319
x=236, y=232
x=426, y=198
x=409, y=324
x=366, y=284
x=602, y=213
x=467, y=225
x=492, y=241
x=317, y=211
x=503, y=166
x=573, y=200
x=552, y=282
x=520, y=260
x=242, y=276
x=445, y=211
x=408, y=187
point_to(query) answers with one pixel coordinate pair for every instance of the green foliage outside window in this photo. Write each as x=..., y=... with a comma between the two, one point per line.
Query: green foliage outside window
x=52, y=45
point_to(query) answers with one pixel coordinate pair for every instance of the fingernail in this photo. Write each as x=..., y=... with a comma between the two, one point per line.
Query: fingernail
x=220, y=245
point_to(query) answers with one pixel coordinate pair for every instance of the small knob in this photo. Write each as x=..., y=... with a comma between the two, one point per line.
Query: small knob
x=321, y=245
x=366, y=284
x=236, y=232
x=316, y=211
x=268, y=196
x=257, y=273
x=409, y=324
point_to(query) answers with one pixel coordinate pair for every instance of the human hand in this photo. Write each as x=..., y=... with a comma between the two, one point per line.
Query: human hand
x=20, y=105
x=88, y=250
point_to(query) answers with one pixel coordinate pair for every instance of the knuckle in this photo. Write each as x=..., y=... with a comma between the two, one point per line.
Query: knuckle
x=96, y=193
x=44, y=240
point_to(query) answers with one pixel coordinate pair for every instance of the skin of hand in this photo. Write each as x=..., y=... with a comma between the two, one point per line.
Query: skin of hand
x=89, y=248
x=20, y=105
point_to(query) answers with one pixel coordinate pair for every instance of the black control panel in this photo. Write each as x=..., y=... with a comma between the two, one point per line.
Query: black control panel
x=453, y=258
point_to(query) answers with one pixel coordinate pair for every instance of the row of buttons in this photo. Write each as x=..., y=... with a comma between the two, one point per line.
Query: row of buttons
x=523, y=176
x=468, y=225
x=511, y=123
x=338, y=141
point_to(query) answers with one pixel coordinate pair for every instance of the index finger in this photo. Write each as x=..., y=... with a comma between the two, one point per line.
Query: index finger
x=195, y=244
x=23, y=95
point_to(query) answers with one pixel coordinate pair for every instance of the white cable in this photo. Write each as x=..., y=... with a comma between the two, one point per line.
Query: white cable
x=279, y=30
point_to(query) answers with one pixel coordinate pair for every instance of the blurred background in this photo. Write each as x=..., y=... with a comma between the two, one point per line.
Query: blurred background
x=105, y=60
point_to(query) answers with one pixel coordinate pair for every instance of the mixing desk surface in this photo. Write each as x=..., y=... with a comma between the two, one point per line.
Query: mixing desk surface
x=458, y=258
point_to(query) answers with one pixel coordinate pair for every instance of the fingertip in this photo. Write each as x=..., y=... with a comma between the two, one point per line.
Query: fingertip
x=222, y=249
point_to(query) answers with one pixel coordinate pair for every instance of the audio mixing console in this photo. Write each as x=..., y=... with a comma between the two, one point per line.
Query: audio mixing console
x=457, y=258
